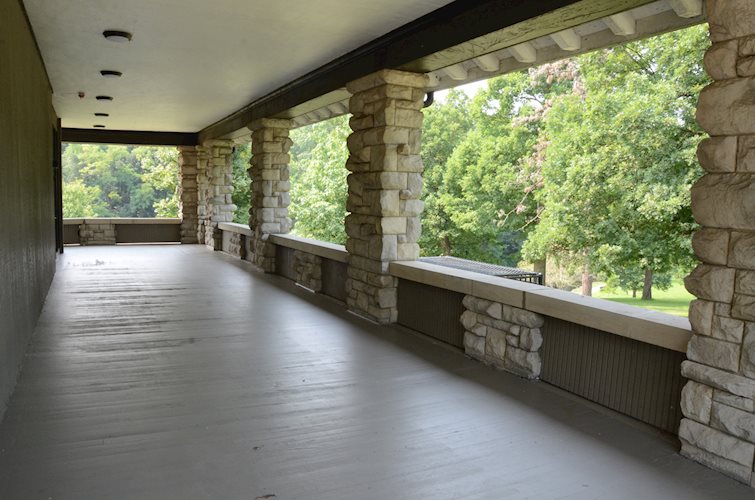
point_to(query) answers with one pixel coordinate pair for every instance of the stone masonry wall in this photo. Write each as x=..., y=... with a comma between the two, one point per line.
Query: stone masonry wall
x=187, y=189
x=504, y=336
x=718, y=402
x=385, y=185
x=97, y=234
x=237, y=245
x=215, y=190
x=308, y=269
x=268, y=172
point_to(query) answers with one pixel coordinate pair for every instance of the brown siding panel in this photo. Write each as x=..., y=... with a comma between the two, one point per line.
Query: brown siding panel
x=71, y=234
x=430, y=310
x=284, y=262
x=637, y=379
x=27, y=199
x=147, y=233
x=334, y=279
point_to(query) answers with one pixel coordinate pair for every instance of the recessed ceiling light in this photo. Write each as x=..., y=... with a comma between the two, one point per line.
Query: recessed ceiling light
x=104, y=98
x=102, y=114
x=109, y=73
x=117, y=36
x=98, y=126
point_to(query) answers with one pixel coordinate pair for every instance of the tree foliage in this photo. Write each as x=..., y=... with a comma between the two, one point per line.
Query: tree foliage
x=119, y=181
x=318, y=180
x=620, y=160
x=241, y=182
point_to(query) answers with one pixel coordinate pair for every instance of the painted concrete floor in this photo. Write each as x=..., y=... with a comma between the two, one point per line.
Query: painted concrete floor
x=172, y=372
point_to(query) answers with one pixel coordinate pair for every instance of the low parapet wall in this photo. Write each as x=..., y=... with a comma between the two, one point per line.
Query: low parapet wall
x=111, y=231
x=622, y=357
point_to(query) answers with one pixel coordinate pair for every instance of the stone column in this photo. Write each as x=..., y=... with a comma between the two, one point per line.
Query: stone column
x=385, y=184
x=203, y=193
x=718, y=402
x=187, y=190
x=268, y=172
x=215, y=190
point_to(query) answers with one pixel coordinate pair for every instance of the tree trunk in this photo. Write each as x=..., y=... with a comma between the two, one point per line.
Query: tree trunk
x=445, y=245
x=647, y=286
x=634, y=293
x=539, y=267
x=586, y=280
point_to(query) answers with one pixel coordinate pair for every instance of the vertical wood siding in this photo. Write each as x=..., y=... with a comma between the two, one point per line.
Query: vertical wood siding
x=334, y=279
x=284, y=262
x=430, y=310
x=631, y=377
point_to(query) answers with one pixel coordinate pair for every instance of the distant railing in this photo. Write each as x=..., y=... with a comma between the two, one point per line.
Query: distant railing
x=112, y=231
x=316, y=265
x=511, y=273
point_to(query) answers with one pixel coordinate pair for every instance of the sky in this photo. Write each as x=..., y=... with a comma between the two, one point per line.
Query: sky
x=469, y=88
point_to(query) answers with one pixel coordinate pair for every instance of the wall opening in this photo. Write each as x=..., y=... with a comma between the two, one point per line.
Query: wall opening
x=102, y=180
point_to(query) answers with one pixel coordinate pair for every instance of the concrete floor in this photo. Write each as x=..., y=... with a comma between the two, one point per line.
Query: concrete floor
x=167, y=372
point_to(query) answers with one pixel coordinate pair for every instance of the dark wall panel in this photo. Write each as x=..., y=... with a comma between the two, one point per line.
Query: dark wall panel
x=147, y=233
x=334, y=279
x=284, y=262
x=71, y=234
x=637, y=379
x=27, y=213
x=430, y=310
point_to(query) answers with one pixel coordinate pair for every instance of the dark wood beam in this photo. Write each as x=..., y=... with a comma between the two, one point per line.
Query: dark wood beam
x=100, y=136
x=456, y=32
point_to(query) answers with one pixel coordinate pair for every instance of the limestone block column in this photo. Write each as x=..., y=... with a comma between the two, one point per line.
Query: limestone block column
x=718, y=402
x=187, y=190
x=215, y=176
x=268, y=172
x=203, y=192
x=385, y=185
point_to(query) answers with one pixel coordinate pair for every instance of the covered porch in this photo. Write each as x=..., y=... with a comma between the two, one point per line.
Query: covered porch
x=140, y=383
x=246, y=362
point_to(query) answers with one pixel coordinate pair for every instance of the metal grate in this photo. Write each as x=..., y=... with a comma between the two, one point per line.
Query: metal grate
x=483, y=268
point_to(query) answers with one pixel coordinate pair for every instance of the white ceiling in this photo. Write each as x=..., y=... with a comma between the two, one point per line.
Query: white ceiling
x=192, y=62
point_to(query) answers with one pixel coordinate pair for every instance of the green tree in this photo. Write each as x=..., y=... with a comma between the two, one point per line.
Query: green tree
x=445, y=126
x=160, y=178
x=241, y=182
x=80, y=200
x=129, y=181
x=318, y=180
x=620, y=160
x=480, y=199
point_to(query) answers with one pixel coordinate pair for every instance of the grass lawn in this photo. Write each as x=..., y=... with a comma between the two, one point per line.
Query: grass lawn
x=674, y=301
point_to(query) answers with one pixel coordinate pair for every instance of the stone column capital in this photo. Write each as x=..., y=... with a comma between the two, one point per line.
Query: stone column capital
x=389, y=77
x=261, y=123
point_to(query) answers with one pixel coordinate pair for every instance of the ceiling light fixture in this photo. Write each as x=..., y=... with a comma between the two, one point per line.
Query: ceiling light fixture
x=109, y=73
x=98, y=126
x=102, y=114
x=117, y=36
x=104, y=98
